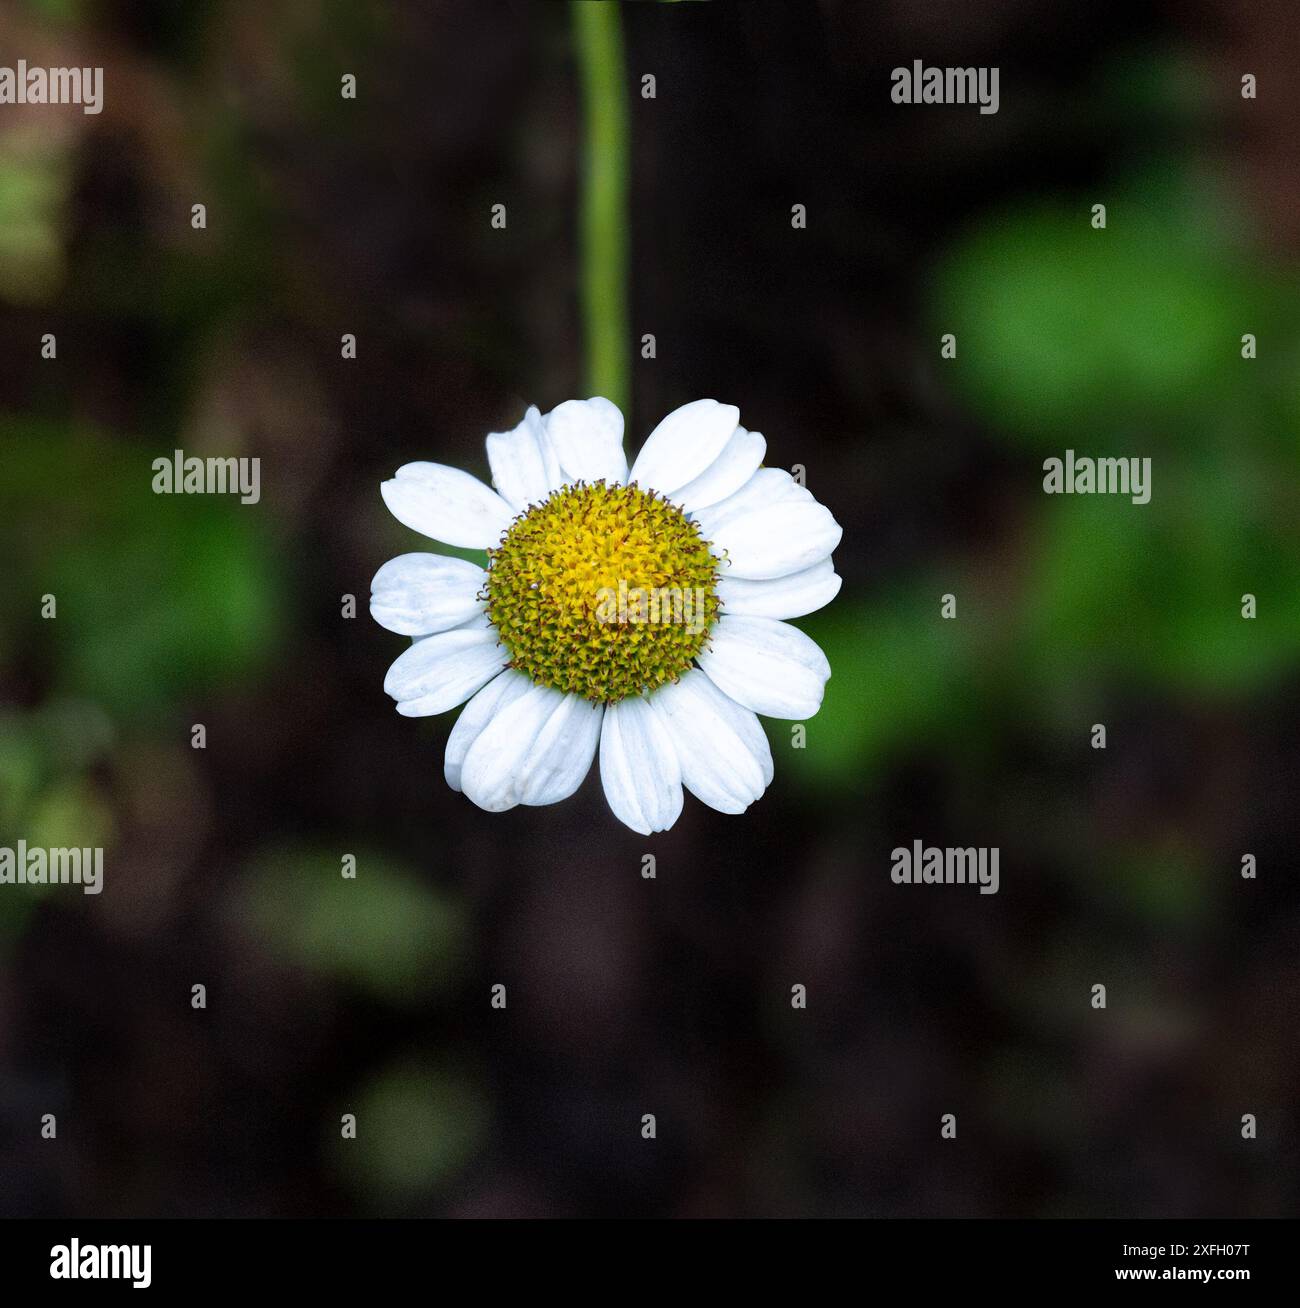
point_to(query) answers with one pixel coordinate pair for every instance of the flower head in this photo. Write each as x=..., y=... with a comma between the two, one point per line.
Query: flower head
x=639, y=612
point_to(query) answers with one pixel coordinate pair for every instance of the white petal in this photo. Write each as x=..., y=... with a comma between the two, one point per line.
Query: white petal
x=737, y=463
x=501, y=691
x=531, y=751
x=766, y=486
x=587, y=436
x=447, y=504
x=561, y=755
x=683, y=445
x=768, y=666
x=491, y=772
x=639, y=767
x=555, y=477
x=444, y=669
x=518, y=462
x=725, y=759
x=416, y=594
x=790, y=596
x=776, y=541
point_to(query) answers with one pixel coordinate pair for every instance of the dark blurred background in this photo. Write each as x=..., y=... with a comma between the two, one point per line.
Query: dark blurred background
x=668, y=996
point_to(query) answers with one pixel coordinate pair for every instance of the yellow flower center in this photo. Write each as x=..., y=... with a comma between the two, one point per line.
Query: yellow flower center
x=602, y=591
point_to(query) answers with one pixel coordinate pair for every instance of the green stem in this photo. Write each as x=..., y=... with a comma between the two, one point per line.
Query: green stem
x=598, y=37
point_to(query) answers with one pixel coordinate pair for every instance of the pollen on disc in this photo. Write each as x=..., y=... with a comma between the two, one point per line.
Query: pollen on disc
x=602, y=591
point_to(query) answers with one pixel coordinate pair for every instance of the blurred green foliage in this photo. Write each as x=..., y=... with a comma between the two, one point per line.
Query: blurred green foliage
x=58, y=11
x=418, y=1123
x=1154, y=592
x=1066, y=332
x=46, y=796
x=387, y=932
x=57, y=739
x=1169, y=883
x=1122, y=341
x=894, y=669
x=158, y=596
x=35, y=178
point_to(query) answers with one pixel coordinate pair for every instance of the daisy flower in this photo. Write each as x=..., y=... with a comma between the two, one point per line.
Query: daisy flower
x=639, y=612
